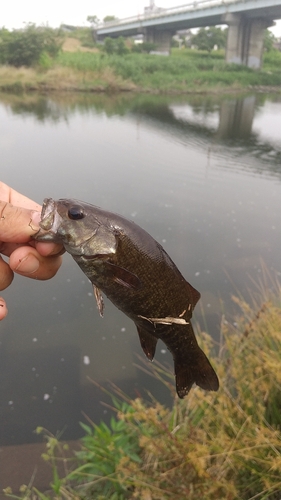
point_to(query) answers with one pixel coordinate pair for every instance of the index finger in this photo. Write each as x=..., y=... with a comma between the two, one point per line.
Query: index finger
x=17, y=199
x=17, y=225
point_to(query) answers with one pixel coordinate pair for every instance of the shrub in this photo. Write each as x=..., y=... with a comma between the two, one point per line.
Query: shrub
x=148, y=46
x=109, y=45
x=115, y=46
x=25, y=47
x=121, y=47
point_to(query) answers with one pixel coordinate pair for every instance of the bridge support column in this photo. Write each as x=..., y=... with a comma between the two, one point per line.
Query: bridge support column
x=161, y=38
x=245, y=40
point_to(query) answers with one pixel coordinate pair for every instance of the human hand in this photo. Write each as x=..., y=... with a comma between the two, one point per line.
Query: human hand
x=19, y=221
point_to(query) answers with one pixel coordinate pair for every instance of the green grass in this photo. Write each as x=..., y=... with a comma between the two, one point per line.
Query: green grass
x=184, y=71
x=209, y=445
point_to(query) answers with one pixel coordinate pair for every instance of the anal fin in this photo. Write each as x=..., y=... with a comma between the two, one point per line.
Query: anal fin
x=148, y=342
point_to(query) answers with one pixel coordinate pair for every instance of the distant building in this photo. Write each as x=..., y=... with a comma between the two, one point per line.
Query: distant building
x=152, y=9
x=68, y=27
x=138, y=39
x=183, y=37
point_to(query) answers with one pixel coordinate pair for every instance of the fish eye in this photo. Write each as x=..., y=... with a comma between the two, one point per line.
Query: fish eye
x=75, y=212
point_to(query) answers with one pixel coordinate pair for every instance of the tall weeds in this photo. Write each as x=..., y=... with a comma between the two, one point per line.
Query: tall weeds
x=209, y=445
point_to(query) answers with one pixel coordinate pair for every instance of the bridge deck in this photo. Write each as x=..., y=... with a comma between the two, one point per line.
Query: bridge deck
x=196, y=14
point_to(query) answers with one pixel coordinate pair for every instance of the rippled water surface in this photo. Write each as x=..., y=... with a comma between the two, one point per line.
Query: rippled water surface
x=201, y=174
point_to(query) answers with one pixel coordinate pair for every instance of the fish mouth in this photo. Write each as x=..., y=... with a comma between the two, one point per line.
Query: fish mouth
x=48, y=214
x=50, y=221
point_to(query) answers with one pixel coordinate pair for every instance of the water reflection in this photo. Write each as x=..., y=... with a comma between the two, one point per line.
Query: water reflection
x=236, y=118
x=200, y=173
x=227, y=121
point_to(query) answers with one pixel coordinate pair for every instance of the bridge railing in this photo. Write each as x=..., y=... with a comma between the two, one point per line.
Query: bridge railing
x=192, y=6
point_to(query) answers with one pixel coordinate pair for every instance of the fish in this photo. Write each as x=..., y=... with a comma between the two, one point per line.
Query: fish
x=134, y=271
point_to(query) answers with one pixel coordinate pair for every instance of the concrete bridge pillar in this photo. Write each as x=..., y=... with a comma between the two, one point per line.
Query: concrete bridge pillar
x=245, y=39
x=161, y=38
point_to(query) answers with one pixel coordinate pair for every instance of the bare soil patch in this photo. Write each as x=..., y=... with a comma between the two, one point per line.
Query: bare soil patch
x=74, y=45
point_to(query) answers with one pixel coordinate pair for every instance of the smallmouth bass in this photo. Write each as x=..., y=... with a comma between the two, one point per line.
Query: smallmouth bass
x=125, y=263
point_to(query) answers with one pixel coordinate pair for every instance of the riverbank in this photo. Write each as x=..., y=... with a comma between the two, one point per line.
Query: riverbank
x=185, y=71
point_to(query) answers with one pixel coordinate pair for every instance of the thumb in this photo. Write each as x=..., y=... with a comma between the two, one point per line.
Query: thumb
x=3, y=308
x=17, y=224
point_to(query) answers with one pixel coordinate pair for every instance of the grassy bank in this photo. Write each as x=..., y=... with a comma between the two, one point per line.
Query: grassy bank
x=184, y=71
x=209, y=445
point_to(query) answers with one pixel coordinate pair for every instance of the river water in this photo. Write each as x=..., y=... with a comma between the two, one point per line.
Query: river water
x=201, y=174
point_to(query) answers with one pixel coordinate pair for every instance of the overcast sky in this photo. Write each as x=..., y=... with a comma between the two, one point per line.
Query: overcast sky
x=14, y=13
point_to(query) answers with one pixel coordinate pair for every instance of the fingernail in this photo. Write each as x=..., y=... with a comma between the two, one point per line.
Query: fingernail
x=28, y=264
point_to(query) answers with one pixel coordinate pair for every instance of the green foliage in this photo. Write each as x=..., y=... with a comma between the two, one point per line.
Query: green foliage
x=94, y=20
x=272, y=61
x=145, y=47
x=184, y=71
x=148, y=47
x=103, y=449
x=108, y=19
x=268, y=40
x=25, y=47
x=136, y=48
x=109, y=45
x=45, y=61
x=116, y=68
x=121, y=47
x=207, y=38
x=115, y=46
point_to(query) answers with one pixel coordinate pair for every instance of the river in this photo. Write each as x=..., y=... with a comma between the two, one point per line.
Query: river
x=202, y=174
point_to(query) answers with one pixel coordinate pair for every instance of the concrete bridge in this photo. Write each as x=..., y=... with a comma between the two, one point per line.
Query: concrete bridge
x=246, y=19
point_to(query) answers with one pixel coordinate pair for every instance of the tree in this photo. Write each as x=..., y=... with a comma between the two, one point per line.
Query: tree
x=26, y=47
x=108, y=19
x=207, y=38
x=269, y=40
x=94, y=20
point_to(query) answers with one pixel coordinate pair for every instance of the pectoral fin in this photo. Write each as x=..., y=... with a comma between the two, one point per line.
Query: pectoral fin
x=99, y=299
x=148, y=343
x=123, y=276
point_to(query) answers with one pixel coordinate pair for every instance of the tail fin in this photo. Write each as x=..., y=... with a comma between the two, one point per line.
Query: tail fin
x=197, y=370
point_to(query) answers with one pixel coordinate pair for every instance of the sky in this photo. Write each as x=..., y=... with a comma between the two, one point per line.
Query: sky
x=14, y=13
